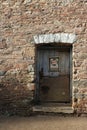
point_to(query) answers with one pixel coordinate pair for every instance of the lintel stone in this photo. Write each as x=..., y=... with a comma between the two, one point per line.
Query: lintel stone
x=55, y=38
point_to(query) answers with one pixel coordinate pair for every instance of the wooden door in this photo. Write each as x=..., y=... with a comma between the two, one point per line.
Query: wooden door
x=53, y=74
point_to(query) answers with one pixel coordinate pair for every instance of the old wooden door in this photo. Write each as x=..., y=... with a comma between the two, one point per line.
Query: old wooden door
x=53, y=74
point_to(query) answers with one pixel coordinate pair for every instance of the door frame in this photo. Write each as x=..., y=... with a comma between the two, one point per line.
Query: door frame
x=36, y=95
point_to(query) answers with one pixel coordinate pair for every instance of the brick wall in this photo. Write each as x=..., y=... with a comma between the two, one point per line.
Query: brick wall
x=20, y=21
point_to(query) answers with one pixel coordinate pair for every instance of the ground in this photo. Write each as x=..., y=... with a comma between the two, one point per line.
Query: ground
x=43, y=122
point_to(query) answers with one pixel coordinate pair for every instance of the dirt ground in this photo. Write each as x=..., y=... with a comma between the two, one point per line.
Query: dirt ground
x=43, y=122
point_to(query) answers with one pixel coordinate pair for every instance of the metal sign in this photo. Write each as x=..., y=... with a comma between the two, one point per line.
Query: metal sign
x=54, y=64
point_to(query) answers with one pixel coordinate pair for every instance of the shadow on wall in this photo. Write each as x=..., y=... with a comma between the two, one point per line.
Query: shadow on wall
x=15, y=98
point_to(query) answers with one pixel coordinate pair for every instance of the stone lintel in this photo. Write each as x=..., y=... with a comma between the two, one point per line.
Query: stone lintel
x=55, y=38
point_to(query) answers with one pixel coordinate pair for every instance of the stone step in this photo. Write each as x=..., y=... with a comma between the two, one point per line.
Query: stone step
x=55, y=109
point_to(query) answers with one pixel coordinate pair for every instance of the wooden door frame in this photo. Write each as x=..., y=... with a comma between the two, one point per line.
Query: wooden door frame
x=36, y=96
x=71, y=73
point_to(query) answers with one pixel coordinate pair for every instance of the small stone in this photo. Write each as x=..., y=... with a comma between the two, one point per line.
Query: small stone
x=25, y=102
x=31, y=86
x=2, y=73
x=27, y=1
x=30, y=68
x=75, y=90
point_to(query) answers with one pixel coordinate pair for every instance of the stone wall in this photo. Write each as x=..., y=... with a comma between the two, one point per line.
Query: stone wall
x=20, y=21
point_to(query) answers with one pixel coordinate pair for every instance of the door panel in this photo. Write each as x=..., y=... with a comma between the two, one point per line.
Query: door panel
x=53, y=83
x=54, y=89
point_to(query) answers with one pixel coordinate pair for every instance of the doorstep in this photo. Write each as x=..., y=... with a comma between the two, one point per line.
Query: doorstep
x=54, y=109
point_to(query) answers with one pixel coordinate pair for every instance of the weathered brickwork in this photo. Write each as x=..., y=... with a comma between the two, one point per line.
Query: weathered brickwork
x=20, y=21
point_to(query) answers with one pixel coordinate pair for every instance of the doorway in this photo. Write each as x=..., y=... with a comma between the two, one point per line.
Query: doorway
x=53, y=73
